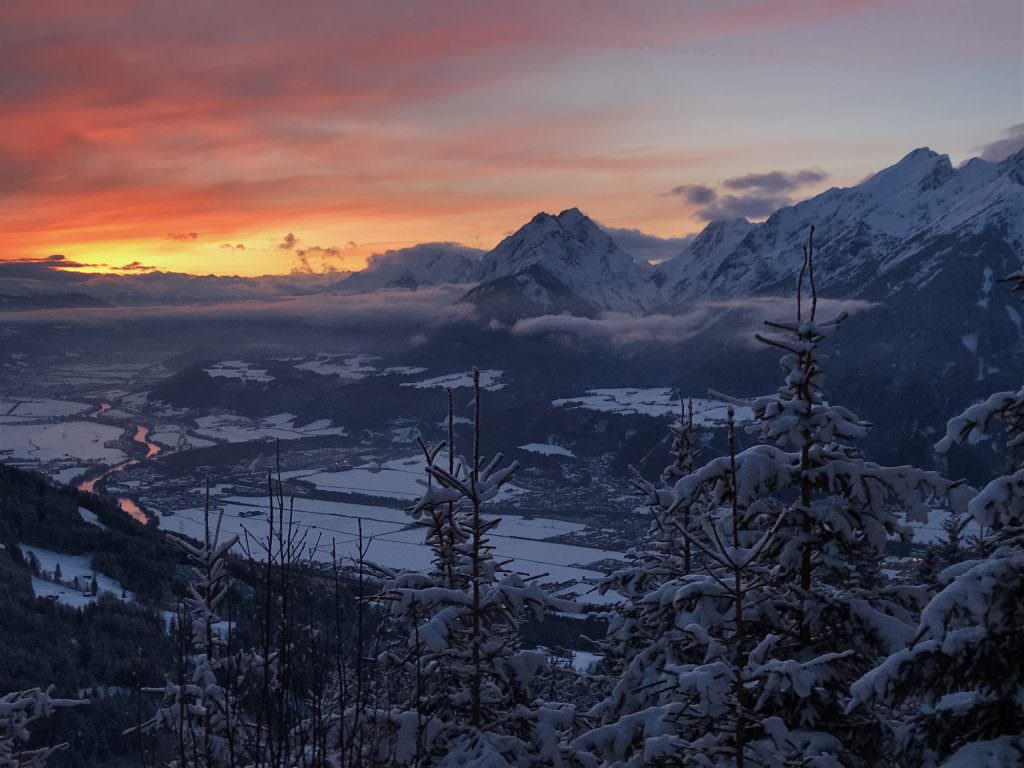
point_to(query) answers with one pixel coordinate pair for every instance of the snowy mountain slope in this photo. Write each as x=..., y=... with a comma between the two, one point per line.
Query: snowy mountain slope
x=576, y=253
x=705, y=253
x=419, y=266
x=865, y=231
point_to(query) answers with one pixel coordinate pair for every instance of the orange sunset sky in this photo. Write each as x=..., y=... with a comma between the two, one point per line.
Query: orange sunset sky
x=245, y=137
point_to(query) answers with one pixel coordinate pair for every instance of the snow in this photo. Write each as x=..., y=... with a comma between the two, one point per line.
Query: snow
x=395, y=542
x=238, y=369
x=78, y=440
x=67, y=474
x=931, y=532
x=70, y=566
x=489, y=380
x=239, y=429
x=403, y=370
x=653, y=401
x=400, y=478
x=548, y=449
x=14, y=410
x=90, y=517
x=345, y=367
x=970, y=342
x=584, y=661
x=580, y=255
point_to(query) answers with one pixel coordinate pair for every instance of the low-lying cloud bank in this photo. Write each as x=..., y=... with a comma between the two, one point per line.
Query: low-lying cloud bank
x=618, y=329
x=381, y=311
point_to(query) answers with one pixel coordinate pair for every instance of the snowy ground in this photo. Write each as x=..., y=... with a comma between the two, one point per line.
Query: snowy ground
x=548, y=449
x=654, y=401
x=239, y=429
x=490, y=380
x=396, y=479
x=931, y=532
x=238, y=369
x=394, y=542
x=77, y=440
x=352, y=367
x=15, y=410
x=70, y=567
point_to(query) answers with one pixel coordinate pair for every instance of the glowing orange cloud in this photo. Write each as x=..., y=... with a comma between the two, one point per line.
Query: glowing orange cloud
x=359, y=126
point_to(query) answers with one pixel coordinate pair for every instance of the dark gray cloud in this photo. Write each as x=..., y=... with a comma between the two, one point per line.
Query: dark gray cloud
x=135, y=266
x=645, y=247
x=753, y=196
x=776, y=181
x=288, y=242
x=1011, y=141
x=183, y=236
x=753, y=206
x=317, y=259
x=695, y=194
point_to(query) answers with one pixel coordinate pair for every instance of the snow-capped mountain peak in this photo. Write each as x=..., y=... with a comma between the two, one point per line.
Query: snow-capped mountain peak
x=580, y=255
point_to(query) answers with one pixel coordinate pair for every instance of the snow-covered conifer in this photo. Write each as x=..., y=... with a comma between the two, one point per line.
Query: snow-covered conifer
x=825, y=611
x=959, y=685
x=472, y=699
x=18, y=710
x=198, y=709
x=640, y=638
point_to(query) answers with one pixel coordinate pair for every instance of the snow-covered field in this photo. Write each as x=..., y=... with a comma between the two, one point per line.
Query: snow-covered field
x=548, y=449
x=238, y=369
x=393, y=541
x=395, y=479
x=238, y=429
x=71, y=566
x=353, y=367
x=490, y=380
x=653, y=401
x=14, y=410
x=74, y=440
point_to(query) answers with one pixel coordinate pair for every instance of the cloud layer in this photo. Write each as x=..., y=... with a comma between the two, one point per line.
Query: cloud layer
x=752, y=196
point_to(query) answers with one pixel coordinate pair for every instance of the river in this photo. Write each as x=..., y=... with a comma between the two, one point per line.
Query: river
x=128, y=505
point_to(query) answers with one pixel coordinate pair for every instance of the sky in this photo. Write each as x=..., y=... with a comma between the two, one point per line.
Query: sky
x=245, y=137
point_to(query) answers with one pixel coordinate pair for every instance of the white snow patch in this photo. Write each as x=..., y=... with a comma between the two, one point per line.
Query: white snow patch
x=78, y=440
x=490, y=380
x=395, y=542
x=238, y=369
x=344, y=367
x=652, y=401
x=548, y=449
x=239, y=429
x=90, y=517
x=71, y=566
x=970, y=342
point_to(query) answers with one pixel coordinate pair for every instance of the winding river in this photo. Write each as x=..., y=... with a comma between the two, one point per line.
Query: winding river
x=128, y=505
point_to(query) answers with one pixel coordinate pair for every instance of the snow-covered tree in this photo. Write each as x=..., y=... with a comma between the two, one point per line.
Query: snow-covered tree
x=825, y=611
x=18, y=710
x=472, y=700
x=198, y=709
x=641, y=639
x=959, y=685
x=718, y=694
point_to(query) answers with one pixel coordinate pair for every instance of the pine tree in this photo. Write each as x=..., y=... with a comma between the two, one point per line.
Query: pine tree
x=825, y=611
x=473, y=701
x=959, y=686
x=198, y=709
x=642, y=638
x=18, y=710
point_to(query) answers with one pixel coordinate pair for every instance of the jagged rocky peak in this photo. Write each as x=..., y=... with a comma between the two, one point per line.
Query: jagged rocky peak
x=922, y=169
x=580, y=256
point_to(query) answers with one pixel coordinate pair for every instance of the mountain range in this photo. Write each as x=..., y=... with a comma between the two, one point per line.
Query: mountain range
x=872, y=240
